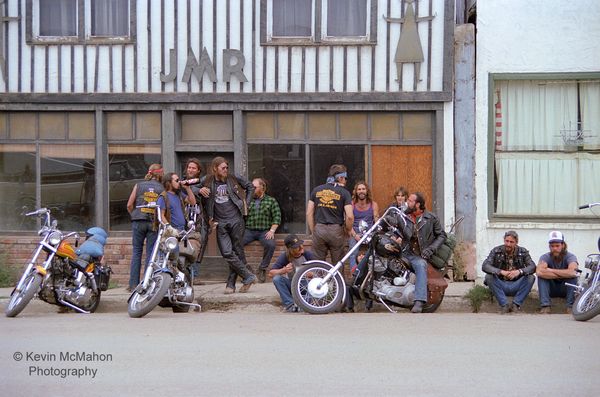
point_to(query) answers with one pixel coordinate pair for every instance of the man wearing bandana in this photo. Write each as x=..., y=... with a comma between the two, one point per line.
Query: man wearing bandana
x=329, y=215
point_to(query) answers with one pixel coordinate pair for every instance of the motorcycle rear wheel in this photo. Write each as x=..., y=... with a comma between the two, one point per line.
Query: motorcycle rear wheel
x=18, y=301
x=587, y=305
x=433, y=307
x=142, y=304
x=327, y=303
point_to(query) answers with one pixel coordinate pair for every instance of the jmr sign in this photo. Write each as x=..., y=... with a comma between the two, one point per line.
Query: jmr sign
x=233, y=65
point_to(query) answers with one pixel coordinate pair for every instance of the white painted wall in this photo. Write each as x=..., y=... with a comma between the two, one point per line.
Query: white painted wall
x=515, y=36
x=201, y=35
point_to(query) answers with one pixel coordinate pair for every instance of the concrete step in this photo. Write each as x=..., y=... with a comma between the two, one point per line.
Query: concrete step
x=264, y=297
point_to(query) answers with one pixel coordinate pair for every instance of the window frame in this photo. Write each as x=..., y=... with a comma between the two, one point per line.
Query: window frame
x=84, y=28
x=491, y=148
x=319, y=28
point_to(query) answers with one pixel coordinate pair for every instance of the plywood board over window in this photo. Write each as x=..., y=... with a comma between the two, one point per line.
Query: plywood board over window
x=408, y=166
x=207, y=127
x=260, y=126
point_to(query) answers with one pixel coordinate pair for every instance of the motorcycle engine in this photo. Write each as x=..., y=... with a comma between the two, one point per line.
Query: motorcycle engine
x=183, y=292
x=393, y=281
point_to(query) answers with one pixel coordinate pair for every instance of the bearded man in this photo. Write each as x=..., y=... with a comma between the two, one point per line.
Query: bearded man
x=554, y=270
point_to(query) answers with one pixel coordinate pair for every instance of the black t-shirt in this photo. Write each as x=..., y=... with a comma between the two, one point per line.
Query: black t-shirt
x=225, y=209
x=330, y=200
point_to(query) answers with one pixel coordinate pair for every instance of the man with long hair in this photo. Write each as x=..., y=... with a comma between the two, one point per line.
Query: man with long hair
x=142, y=220
x=554, y=270
x=173, y=199
x=364, y=209
x=228, y=199
x=193, y=170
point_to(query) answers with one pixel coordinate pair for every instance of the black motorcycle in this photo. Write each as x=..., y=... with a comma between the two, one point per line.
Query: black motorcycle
x=383, y=275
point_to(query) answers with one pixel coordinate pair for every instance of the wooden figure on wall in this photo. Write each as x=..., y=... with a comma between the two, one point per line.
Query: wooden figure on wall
x=409, y=48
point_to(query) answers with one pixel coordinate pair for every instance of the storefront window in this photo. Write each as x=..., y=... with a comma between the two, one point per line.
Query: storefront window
x=323, y=156
x=282, y=166
x=17, y=186
x=68, y=184
x=128, y=165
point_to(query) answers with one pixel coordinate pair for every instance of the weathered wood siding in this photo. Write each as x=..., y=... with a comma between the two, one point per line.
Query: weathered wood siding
x=163, y=26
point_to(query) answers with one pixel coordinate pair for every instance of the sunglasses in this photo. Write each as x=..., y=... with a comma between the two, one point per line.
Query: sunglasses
x=176, y=180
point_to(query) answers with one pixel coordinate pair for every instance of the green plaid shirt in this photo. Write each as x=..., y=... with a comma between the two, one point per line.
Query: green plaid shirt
x=267, y=214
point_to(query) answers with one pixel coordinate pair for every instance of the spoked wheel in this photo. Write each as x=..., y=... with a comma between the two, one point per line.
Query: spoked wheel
x=587, y=305
x=19, y=300
x=314, y=299
x=142, y=303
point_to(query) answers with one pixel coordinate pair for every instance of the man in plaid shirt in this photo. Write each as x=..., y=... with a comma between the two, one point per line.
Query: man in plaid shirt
x=264, y=216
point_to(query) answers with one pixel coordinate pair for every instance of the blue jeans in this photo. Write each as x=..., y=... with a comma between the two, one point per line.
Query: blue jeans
x=556, y=288
x=268, y=245
x=419, y=266
x=283, y=285
x=141, y=230
x=519, y=288
x=351, y=243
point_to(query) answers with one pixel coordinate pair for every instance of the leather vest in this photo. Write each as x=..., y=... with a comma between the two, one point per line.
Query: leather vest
x=147, y=191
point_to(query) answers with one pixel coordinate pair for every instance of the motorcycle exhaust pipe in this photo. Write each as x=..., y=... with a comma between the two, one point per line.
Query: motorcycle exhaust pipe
x=73, y=307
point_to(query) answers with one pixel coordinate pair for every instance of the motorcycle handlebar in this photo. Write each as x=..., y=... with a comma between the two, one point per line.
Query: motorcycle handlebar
x=590, y=205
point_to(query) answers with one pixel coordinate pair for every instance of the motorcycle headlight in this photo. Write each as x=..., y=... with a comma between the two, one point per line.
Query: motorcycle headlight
x=171, y=243
x=55, y=238
x=591, y=262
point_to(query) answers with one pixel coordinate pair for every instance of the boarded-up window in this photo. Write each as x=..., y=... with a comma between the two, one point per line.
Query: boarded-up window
x=353, y=126
x=207, y=127
x=52, y=126
x=417, y=126
x=291, y=125
x=322, y=126
x=82, y=125
x=260, y=126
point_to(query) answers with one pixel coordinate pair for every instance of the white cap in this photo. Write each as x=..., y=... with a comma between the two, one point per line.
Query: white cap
x=556, y=237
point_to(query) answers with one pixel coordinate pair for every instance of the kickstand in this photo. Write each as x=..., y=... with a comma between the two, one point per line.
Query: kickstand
x=387, y=307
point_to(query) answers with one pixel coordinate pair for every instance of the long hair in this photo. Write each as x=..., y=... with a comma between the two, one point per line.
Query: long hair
x=401, y=191
x=355, y=193
x=212, y=172
x=195, y=161
x=167, y=181
x=155, y=171
x=563, y=252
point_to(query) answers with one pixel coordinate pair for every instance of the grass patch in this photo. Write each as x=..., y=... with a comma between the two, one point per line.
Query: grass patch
x=477, y=295
x=8, y=274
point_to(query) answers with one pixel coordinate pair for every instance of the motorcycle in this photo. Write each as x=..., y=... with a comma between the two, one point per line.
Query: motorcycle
x=383, y=275
x=167, y=279
x=587, y=302
x=67, y=277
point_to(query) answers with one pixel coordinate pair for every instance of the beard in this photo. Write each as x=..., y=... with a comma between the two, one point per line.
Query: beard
x=362, y=196
x=409, y=210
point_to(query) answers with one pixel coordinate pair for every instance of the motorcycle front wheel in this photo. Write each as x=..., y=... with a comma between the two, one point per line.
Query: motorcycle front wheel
x=312, y=299
x=587, y=305
x=142, y=303
x=19, y=300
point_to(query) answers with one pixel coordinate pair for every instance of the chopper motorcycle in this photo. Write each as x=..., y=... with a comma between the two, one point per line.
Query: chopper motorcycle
x=167, y=279
x=68, y=277
x=383, y=275
x=587, y=302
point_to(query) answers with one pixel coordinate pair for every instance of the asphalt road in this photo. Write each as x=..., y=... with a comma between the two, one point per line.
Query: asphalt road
x=272, y=354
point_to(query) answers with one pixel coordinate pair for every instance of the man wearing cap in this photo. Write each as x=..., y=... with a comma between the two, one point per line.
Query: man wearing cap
x=329, y=215
x=510, y=270
x=284, y=268
x=554, y=270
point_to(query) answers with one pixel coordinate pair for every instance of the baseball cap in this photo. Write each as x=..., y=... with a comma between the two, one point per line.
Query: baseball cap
x=556, y=237
x=293, y=241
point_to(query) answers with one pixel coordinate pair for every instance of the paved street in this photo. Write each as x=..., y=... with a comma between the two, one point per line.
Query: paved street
x=262, y=353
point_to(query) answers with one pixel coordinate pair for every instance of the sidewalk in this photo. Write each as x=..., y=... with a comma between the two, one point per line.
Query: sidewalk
x=264, y=298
